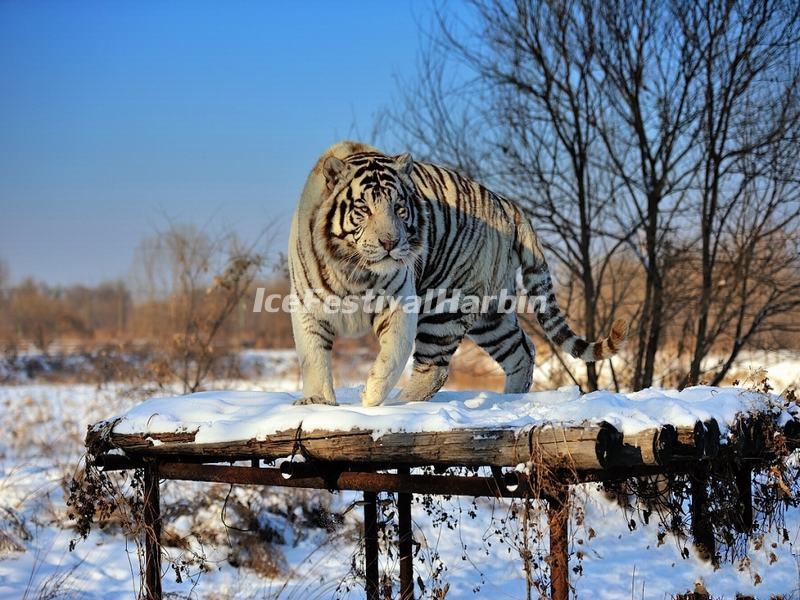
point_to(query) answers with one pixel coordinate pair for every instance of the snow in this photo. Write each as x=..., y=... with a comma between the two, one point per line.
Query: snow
x=44, y=426
x=222, y=416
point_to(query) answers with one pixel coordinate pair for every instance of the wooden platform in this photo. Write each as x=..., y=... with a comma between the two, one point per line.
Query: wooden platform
x=372, y=462
x=584, y=448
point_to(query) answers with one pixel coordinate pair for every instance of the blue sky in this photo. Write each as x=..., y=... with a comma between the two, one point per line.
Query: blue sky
x=115, y=116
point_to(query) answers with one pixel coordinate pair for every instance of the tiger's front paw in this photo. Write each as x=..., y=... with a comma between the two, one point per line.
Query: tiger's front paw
x=314, y=400
x=368, y=399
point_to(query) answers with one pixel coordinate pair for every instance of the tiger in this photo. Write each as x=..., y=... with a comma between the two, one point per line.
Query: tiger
x=371, y=221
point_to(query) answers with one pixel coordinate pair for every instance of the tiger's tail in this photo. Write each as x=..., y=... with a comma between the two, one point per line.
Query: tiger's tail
x=538, y=283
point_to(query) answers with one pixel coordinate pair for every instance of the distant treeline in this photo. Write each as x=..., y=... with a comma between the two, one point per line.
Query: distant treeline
x=83, y=318
x=34, y=314
x=188, y=307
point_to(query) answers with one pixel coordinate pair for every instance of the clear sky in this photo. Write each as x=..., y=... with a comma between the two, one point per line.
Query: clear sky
x=115, y=116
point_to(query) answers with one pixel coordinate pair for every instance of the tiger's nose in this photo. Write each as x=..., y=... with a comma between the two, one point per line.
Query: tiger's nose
x=388, y=244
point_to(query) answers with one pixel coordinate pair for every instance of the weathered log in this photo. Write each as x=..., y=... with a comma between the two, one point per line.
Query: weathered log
x=663, y=447
x=691, y=442
x=666, y=445
x=648, y=447
x=748, y=436
x=609, y=445
x=711, y=439
x=580, y=447
x=791, y=432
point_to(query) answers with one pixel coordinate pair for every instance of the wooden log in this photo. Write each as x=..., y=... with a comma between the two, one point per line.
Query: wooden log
x=679, y=444
x=597, y=451
x=666, y=445
x=586, y=447
x=501, y=447
x=749, y=437
x=712, y=439
x=691, y=442
x=663, y=446
x=608, y=447
x=648, y=447
x=791, y=432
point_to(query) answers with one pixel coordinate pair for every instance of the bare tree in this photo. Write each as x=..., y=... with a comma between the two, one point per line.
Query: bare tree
x=750, y=265
x=647, y=73
x=204, y=279
x=531, y=135
x=632, y=132
x=36, y=315
x=748, y=193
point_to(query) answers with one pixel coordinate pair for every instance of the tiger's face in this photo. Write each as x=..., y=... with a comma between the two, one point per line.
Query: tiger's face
x=372, y=217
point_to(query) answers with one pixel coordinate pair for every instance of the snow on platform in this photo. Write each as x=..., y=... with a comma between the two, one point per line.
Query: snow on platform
x=223, y=416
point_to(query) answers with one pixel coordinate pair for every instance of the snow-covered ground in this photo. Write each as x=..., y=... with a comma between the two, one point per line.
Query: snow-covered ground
x=312, y=553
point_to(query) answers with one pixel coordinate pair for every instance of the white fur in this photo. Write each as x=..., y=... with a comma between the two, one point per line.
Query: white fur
x=501, y=241
x=397, y=340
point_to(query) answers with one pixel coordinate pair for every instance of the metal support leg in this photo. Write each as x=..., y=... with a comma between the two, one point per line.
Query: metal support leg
x=744, y=487
x=152, y=533
x=371, y=544
x=702, y=532
x=558, y=519
x=406, y=558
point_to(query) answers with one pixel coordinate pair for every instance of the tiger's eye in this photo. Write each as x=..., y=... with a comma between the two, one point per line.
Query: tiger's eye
x=360, y=210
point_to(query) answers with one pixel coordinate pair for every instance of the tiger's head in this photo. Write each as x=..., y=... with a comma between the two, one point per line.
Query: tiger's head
x=373, y=214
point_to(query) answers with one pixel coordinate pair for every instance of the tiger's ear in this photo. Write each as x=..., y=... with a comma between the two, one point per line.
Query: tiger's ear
x=333, y=168
x=405, y=164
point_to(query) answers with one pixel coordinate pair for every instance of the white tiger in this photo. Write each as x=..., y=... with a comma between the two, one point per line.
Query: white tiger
x=368, y=221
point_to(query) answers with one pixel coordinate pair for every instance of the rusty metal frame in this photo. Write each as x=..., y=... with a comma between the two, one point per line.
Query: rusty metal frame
x=405, y=543
x=371, y=544
x=340, y=476
x=558, y=523
x=152, y=532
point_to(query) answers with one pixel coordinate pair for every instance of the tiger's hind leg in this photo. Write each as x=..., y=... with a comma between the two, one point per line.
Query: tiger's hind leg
x=438, y=337
x=502, y=337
